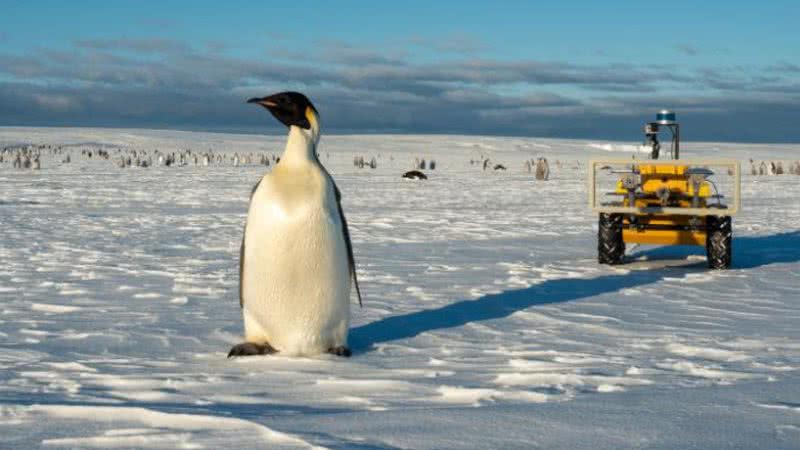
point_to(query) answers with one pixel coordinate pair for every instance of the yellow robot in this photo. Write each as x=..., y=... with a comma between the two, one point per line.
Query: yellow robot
x=671, y=202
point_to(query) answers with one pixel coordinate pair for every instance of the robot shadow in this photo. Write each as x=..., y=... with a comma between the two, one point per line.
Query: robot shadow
x=749, y=252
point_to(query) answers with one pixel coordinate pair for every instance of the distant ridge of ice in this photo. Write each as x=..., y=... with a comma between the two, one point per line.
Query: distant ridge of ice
x=609, y=147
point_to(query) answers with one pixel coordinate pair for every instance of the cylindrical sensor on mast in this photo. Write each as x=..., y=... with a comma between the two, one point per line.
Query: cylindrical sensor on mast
x=665, y=117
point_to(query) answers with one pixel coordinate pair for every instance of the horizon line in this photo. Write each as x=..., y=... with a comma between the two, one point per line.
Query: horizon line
x=380, y=133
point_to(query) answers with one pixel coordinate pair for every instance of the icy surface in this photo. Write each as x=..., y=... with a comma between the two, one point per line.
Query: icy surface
x=487, y=322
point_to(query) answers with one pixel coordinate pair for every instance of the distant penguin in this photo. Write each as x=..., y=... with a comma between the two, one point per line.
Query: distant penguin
x=373, y=163
x=499, y=167
x=422, y=164
x=762, y=168
x=36, y=164
x=779, y=168
x=542, y=169
x=297, y=260
x=432, y=165
x=415, y=175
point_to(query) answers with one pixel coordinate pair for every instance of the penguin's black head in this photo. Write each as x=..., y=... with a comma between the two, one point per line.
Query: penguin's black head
x=290, y=108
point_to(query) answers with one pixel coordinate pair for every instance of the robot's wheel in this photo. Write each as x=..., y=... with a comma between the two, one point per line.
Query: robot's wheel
x=719, y=238
x=610, y=246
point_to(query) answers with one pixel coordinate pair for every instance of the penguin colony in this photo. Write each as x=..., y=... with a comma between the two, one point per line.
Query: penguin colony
x=766, y=168
x=36, y=157
x=31, y=157
x=23, y=157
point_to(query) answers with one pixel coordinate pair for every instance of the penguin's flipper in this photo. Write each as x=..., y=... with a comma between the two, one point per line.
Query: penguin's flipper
x=351, y=260
x=241, y=271
x=241, y=253
x=251, y=349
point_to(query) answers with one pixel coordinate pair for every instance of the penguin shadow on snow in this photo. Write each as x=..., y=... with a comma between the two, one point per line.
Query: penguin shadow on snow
x=749, y=252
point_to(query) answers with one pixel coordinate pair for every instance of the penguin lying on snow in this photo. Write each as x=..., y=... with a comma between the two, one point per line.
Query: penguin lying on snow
x=415, y=175
x=296, y=257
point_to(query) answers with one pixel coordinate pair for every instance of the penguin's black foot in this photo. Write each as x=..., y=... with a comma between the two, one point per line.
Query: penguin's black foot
x=250, y=349
x=340, y=351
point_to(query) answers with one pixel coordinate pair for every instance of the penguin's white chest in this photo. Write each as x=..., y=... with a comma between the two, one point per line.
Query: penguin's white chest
x=295, y=278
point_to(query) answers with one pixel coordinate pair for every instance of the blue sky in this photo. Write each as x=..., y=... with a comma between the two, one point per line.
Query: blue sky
x=561, y=69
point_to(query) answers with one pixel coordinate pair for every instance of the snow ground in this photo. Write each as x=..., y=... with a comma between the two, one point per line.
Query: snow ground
x=486, y=323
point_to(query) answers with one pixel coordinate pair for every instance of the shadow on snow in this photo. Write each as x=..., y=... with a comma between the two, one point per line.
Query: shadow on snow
x=748, y=252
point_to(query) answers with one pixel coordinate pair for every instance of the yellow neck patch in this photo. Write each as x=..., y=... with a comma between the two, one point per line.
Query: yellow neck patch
x=311, y=115
x=313, y=122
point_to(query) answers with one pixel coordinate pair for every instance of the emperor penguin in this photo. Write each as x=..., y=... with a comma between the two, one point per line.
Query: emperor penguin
x=296, y=259
x=542, y=169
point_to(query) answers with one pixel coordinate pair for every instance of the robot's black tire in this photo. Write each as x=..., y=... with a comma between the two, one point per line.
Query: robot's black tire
x=719, y=240
x=610, y=246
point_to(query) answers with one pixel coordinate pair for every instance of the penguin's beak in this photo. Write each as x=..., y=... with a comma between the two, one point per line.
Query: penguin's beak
x=266, y=102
